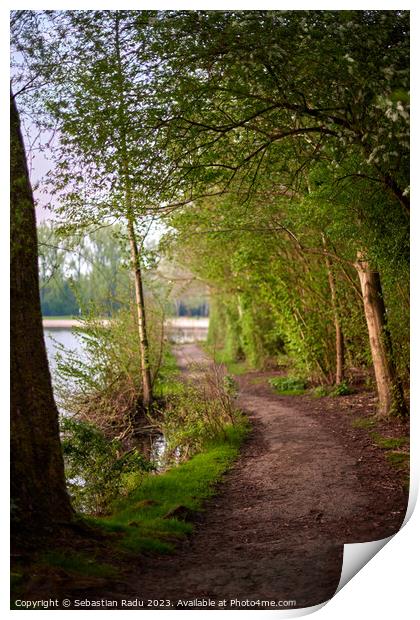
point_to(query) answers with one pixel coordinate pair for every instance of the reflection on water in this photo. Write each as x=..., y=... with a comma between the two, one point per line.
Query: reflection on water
x=159, y=455
x=68, y=339
x=154, y=447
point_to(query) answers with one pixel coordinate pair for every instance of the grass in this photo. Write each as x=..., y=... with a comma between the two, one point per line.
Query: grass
x=396, y=448
x=77, y=563
x=366, y=423
x=167, y=382
x=396, y=454
x=386, y=443
x=288, y=386
x=157, y=515
x=159, y=512
x=144, y=517
x=390, y=443
x=400, y=460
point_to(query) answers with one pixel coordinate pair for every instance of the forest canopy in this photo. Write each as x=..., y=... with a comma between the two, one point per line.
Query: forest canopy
x=274, y=147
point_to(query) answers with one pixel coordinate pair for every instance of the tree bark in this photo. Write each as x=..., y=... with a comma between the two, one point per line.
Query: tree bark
x=390, y=392
x=146, y=377
x=38, y=489
x=141, y=319
x=339, y=340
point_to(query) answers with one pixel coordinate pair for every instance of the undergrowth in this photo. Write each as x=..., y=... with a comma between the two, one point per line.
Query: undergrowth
x=78, y=563
x=157, y=514
x=157, y=510
x=342, y=389
x=123, y=492
x=288, y=386
x=233, y=366
x=396, y=448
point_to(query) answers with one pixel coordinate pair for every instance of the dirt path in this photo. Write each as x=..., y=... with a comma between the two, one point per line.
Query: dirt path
x=187, y=355
x=276, y=530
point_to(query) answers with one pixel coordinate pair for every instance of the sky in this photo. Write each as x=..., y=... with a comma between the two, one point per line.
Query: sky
x=39, y=166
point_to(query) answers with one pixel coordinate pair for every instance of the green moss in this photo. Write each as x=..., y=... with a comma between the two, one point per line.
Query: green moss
x=77, y=563
x=363, y=423
x=390, y=443
x=399, y=460
x=144, y=517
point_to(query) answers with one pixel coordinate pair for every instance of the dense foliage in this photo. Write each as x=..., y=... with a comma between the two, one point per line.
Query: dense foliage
x=98, y=471
x=277, y=143
x=292, y=141
x=104, y=386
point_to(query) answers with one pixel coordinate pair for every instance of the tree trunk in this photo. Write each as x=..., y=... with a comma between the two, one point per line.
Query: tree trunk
x=141, y=318
x=339, y=353
x=390, y=393
x=339, y=340
x=135, y=262
x=38, y=490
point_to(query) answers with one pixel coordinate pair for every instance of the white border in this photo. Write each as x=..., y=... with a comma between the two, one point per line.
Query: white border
x=386, y=587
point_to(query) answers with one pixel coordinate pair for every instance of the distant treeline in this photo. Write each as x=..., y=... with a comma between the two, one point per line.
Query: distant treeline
x=186, y=309
x=78, y=273
x=91, y=271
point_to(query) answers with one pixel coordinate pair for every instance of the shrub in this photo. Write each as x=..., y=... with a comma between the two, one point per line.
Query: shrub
x=198, y=411
x=320, y=391
x=342, y=389
x=97, y=469
x=103, y=386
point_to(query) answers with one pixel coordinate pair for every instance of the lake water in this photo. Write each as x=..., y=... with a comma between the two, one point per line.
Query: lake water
x=67, y=338
x=64, y=337
x=178, y=334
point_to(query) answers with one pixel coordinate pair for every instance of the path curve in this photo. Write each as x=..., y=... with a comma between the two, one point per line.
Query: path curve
x=276, y=530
